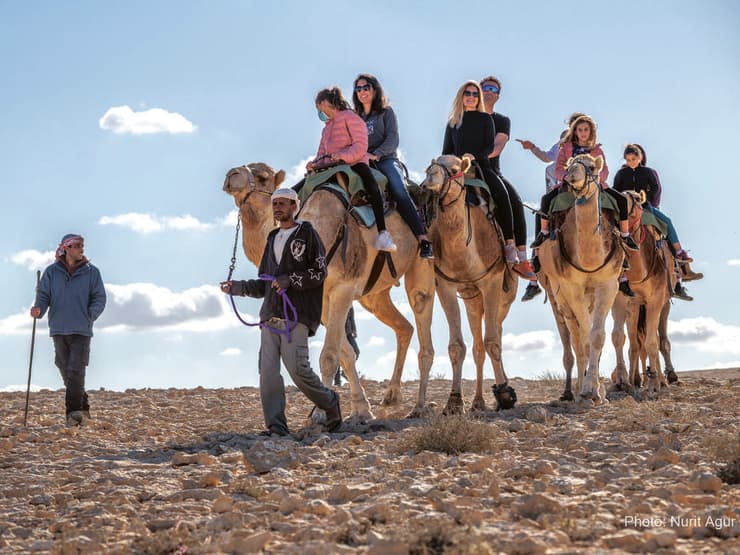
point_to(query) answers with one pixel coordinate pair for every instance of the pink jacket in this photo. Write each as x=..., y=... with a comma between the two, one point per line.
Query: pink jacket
x=566, y=153
x=345, y=136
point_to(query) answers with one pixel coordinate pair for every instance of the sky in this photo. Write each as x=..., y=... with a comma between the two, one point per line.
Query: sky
x=119, y=120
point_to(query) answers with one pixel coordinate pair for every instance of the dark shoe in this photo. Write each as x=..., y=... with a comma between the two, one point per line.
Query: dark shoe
x=626, y=264
x=531, y=292
x=536, y=264
x=334, y=416
x=683, y=257
x=625, y=289
x=425, y=250
x=541, y=238
x=681, y=293
x=268, y=433
x=629, y=242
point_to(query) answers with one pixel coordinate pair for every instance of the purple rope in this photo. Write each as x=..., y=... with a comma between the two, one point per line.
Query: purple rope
x=290, y=320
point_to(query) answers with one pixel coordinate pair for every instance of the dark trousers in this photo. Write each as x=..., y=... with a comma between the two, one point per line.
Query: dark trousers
x=517, y=212
x=373, y=191
x=71, y=356
x=500, y=195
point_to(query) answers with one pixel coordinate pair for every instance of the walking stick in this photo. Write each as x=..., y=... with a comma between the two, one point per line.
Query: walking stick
x=30, y=362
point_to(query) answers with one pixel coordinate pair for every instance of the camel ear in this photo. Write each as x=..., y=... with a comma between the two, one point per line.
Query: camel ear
x=599, y=163
x=465, y=165
x=279, y=178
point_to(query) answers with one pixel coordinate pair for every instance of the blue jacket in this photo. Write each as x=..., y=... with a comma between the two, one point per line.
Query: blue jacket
x=74, y=302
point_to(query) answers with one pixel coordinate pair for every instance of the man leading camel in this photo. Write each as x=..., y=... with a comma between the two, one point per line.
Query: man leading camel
x=293, y=263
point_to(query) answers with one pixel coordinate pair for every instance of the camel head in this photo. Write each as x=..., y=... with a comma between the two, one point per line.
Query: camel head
x=582, y=170
x=442, y=171
x=256, y=177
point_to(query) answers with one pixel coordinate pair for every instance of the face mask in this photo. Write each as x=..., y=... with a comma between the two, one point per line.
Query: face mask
x=322, y=116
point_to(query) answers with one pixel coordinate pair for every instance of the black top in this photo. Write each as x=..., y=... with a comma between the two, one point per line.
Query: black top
x=641, y=178
x=474, y=136
x=501, y=124
x=301, y=272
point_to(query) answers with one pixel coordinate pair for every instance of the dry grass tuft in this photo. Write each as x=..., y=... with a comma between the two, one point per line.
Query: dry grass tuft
x=548, y=377
x=724, y=447
x=440, y=537
x=452, y=435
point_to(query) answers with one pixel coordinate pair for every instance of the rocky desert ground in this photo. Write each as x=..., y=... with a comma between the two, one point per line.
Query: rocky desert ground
x=184, y=471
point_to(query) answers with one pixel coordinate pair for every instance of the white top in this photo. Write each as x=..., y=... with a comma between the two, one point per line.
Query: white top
x=280, y=239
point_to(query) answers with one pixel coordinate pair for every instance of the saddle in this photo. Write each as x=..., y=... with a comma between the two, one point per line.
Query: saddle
x=346, y=184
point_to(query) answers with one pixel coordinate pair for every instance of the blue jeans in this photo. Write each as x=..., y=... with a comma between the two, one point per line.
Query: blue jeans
x=672, y=233
x=391, y=168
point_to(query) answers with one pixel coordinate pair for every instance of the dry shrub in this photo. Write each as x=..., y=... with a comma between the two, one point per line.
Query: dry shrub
x=724, y=447
x=248, y=485
x=644, y=416
x=452, y=435
x=548, y=377
x=445, y=537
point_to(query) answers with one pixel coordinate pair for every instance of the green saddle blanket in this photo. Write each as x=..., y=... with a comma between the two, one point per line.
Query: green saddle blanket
x=648, y=218
x=364, y=213
x=566, y=200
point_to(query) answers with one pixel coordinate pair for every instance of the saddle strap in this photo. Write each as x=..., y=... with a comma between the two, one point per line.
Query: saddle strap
x=382, y=258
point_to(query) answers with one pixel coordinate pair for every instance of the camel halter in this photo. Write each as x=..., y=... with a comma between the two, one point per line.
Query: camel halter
x=250, y=181
x=447, y=183
x=291, y=320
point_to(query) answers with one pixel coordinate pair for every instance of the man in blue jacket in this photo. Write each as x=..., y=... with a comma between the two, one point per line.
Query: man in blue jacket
x=73, y=292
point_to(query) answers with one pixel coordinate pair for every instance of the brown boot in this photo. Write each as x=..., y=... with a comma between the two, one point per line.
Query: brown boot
x=687, y=274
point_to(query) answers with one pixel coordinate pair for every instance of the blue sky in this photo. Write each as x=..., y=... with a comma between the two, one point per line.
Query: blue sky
x=234, y=82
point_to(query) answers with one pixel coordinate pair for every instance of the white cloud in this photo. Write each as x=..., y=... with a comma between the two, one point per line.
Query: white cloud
x=123, y=120
x=733, y=262
x=705, y=334
x=151, y=223
x=540, y=340
x=230, y=352
x=375, y=341
x=297, y=172
x=33, y=259
x=151, y=308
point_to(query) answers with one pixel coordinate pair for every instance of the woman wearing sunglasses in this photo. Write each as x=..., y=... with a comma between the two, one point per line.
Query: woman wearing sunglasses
x=344, y=140
x=470, y=133
x=372, y=106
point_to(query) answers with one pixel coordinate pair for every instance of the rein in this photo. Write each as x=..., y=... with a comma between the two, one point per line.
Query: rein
x=569, y=260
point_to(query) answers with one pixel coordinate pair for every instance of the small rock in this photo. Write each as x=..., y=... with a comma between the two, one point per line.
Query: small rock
x=319, y=507
x=524, y=544
x=628, y=540
x=210, y=480
x=42, y=499
x=537, y=414
x=663, y=457
x=249, y=544
x=659, y=538
x=706, y=481
x=223, y=504
x=531, y=506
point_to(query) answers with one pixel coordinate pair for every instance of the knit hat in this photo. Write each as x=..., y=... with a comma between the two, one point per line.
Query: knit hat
x=287, y=192
x=67, y=241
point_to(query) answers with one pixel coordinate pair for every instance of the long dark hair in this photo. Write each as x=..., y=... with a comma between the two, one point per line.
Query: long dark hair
x=334, y=96
x=379, y=103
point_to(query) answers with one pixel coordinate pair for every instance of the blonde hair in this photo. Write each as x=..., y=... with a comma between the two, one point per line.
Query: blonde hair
x=570, y=136
x=456, y=114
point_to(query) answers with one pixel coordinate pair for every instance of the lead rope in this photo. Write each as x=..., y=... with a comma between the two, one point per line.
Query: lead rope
x=290, y=323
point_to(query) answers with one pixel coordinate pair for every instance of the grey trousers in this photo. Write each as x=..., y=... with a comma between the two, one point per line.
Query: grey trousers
x=294, y=355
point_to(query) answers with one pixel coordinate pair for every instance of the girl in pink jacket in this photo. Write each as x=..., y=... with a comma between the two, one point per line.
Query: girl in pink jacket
x=581, y=139
x=344, y=141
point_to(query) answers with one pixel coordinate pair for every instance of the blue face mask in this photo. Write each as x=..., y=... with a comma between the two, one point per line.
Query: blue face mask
x=322, y=116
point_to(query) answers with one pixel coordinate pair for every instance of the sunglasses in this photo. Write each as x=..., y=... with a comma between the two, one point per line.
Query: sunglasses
x=474, y=94
x=491, y=88
x=360, y=88
x=75, y=246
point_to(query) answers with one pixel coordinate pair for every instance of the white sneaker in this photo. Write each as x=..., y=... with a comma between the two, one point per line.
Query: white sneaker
x=510, y=254
x=384, y=242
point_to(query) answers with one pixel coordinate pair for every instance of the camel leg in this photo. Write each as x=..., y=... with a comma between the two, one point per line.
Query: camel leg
x=456, y=346
x=579, y=339
x=652, y=317
x=474, y=311
x=604, y=299
x=665, y=343
x=635, y=350
x=494, y=316
x=619, y=315
x=380, y=305
x=337, y=302
x=565, y=340
x=419, y=284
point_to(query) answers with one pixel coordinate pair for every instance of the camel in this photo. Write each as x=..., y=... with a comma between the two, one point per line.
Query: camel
x=469, y=262
x=251, y=186
x=652, y=279
x=582, y=266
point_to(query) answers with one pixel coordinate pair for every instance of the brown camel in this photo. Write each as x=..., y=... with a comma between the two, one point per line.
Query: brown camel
x=582, y=267
x=652, y=279
x=469, y=262
x=348, y=272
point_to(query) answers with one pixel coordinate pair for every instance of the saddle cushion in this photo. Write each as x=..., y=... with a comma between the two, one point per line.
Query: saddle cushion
x=648, y=218
x=477, y=189
x=567, y=200
x=328, y=175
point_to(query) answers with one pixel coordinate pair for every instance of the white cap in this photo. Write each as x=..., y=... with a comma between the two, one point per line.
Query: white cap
x=287, y=192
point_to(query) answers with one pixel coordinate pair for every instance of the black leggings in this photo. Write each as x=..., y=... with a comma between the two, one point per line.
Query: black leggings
x=373, y=191
x=517, y=211
x=371, y=186
x=616, y=195
x=500, y=195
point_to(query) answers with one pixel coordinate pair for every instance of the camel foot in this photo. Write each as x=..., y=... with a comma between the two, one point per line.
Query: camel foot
x=671, y=375
x=361, y=410
x=567, y=395
x=505, y=396
x=637, y=382
x=392, y=397
x=426, y=411
x=454, y=405
x=317, y=417
x=478, y=405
